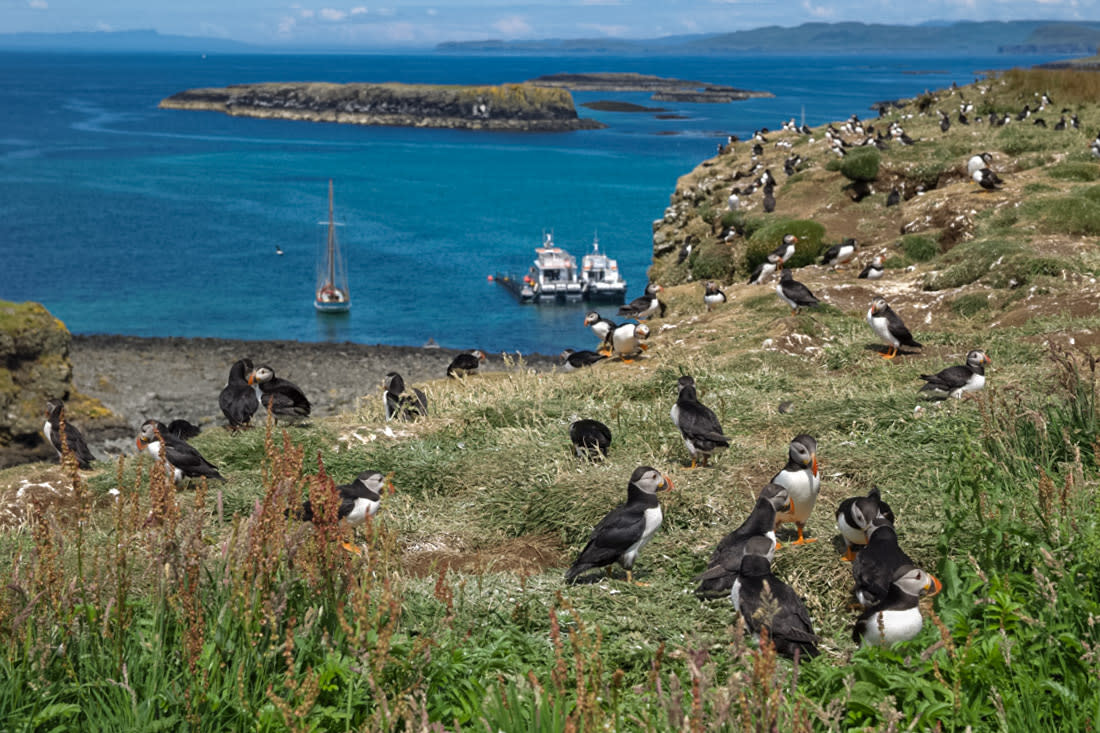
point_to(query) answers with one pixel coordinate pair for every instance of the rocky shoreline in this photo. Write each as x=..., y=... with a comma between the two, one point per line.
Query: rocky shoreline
x=167, y=378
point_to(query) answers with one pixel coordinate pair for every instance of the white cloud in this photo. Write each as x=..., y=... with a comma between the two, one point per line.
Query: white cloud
x=512, y=26
x=332, y=14
x=605, y=30
x=359, y=10
x=386, y=12
x=305, y=13
x=105, y=27
x=432, y=12
x=286, y=25
x=38, y=4
x=818, y=11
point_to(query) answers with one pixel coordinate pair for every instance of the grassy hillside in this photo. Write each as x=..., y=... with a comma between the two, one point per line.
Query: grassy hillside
x=130, y=605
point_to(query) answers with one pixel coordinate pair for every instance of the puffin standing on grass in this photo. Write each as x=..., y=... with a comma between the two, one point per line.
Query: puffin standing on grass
x=988, y=180
x=627, y=528
x=712, y=295
x=238, y=400
x=854, y=516
x=466, y=364
x=626, y=340
x=698, y=424
x=840, y=254
x=888, y=326
x=281, y=397
x=954, y=380
x=897, y=617
x=801, y=479
x=399, y=404
x=875, y=566
x=643, y=306
x=874, y=269
x=358, y=500
x=591, y=439
x=725, y=562
x=74, y=439
x=767, y=603
x=765, y=269
x=602, y=327
x=183, y=460
x=793, y=293
x=785, y=251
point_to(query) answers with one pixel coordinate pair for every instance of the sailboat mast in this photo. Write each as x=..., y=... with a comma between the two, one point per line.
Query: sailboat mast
x=331, y=239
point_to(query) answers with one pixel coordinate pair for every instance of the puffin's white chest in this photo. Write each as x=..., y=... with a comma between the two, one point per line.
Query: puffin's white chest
x=47, y=430
x=714, y=299
x=624, y=341
x=874, y=273
x=361, y=510
x=881, y=327
x=896, y=625
x=853, y=535
x=259, y=394
x=601, y=329
x=976, y=382
x=765, y=272
x=783, y=296
x=649, y=309
x=735, y=594
x=653, y=517
x=803, y=488
x=845, y=254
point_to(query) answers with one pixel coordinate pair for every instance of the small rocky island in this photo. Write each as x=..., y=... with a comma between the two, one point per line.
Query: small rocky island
x=663, y=89
x=511, y=107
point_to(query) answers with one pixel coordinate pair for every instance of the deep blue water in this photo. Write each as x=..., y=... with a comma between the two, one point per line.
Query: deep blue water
x=123, y=218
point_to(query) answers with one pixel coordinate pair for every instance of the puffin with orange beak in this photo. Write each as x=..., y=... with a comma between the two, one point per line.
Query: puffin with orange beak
x=626, y=529
x=358, y=500
x=889, y=327
x=897, y=617
x=281, y=397
x=183, y=460
x=801, y=479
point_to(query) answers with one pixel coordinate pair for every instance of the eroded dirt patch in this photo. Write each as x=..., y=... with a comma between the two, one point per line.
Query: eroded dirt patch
x=525, y=555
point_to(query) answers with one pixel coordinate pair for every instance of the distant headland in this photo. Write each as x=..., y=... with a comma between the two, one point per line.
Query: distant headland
x=512, y=107
x=664, y=90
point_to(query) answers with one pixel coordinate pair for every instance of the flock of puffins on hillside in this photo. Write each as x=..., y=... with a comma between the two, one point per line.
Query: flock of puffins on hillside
x=887, y=582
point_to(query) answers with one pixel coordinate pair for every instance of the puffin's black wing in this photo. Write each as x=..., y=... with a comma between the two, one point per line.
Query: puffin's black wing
x=188, y=460
x=407, y=405
x=584, y=358
x=699, y=424
x=799, y=293
x=461, y=364
x=283, y=397
x=621, y=528
x=77, y=446
x=183, y=429
x=238, y=403
x=948, y=379
x=791, y=627
x=636, y=306
x=590, y=437
x=866, y=271
x=899, y=329
x=874, y=567
x=831, y=254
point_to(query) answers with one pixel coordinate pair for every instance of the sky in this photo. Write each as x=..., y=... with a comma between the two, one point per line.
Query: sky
x=427, y=22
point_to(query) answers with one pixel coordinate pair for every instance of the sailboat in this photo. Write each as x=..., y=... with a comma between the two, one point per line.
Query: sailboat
x=332, y=295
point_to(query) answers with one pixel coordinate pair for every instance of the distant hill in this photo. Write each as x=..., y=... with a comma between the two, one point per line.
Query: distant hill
x=121, y=42
x=1024, y=36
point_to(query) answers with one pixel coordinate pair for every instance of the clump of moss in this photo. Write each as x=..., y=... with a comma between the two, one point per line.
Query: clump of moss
x=811, y=241
x=712, y=260
x=970, y=304
x=918, y=247
x=1074, y=172
x=861, y=165
x=970, y=262
x=1072, y=214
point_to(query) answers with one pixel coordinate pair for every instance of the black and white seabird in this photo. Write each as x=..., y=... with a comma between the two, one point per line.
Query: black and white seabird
x=591, y=439
x=874, y=268
x=74, y=439
x=840, y=254
x=767, y=603
x=627, y=340
x=281, y=397
x=725, y=562
x=855, y=514
x=626, y=529
x=874, y=567
x=769, y=199
x=400, y=404
x=785, y=250
x=954, y=380
x=183, y=460
x=988, y=180
x=463, y=365
x=803, y=483
x=183, y=429
x=643, y=306
x=765, y=269
x=889, y=327
x=894, y=197
x=698, y=424
x=573, y=360
x=237, y=399
x=358, y=500
x=713, y=295
x=977, y=162
x=602, y=327
x=793, y=293
x=897, y=617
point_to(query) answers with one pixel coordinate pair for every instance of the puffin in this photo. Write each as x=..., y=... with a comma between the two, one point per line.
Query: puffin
x=769, y=199
x=793, y=293
x=767, y=603
x=358, y=500
x=854, y=515
x=466, y=364
x=183, y=460
x=400, y=404
x=74, y=439
x=281, y=397
x=893, y=198
x=602, y=327
x=626, y=340
x=954, y=380
x=725, y=562
x=785, y=250
x=765, y=269
x=840, y=254
x=987, y=179
x=874, y=566
x=889, y=327
x=977, y=162
x=237, y=399
x=591, y=439
x=643, y=306
x=897, y=617
x=626, y=529
x=803, y=482
x=698, y=424
x=712, y=295
x=573, y=360
x=183, y=429
x=874, y=269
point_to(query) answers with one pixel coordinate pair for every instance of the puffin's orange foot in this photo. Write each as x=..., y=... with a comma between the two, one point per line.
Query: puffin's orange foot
x=848, y=555
x=643, y=347
x=778, y=545
x=803, y=540
x=351, y=548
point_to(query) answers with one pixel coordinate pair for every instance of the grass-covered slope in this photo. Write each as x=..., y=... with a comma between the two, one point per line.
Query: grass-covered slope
x=209, y=609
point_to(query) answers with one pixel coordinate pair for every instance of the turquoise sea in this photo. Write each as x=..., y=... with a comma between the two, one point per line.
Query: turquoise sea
x=124, y=218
